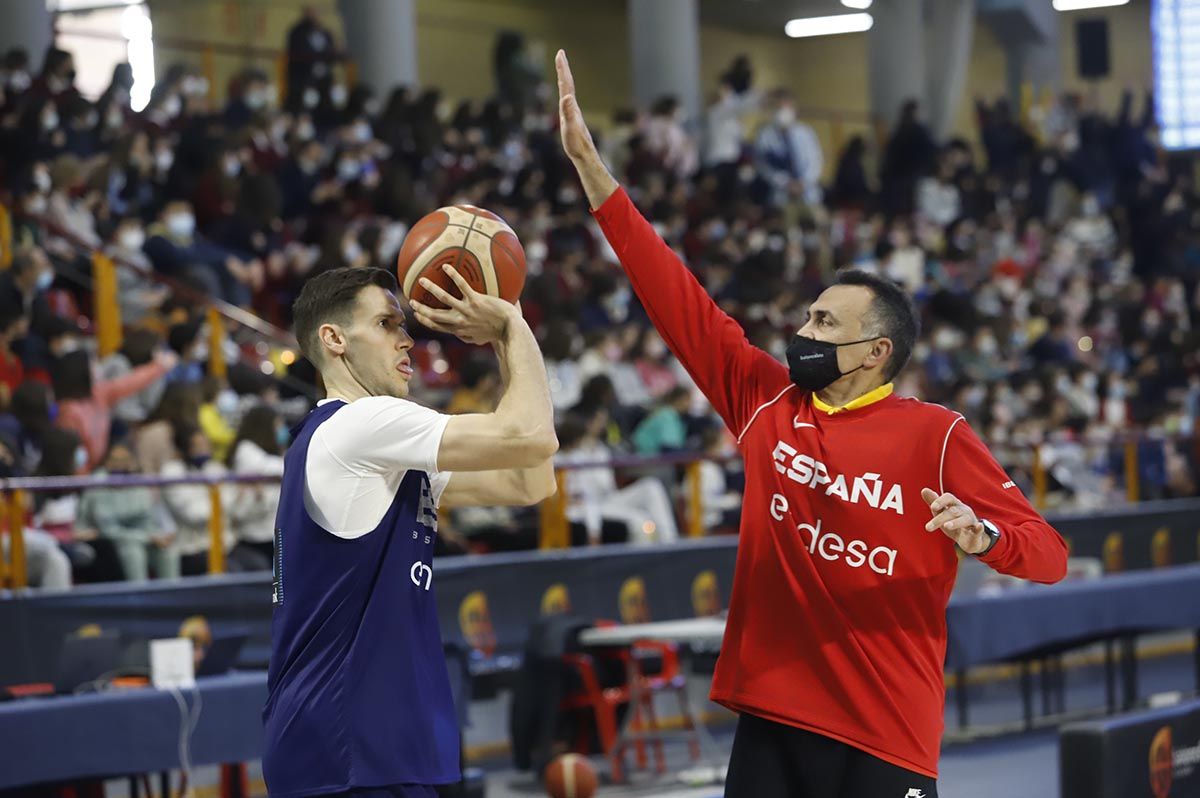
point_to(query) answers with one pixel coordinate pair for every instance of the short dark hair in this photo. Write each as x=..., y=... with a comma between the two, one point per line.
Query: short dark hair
x=892, y=315
x=71, y=376
x=331, y=297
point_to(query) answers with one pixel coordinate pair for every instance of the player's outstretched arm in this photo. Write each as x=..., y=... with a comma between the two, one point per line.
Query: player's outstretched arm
x=505, y=487
x=735, y=376
x=520, y=432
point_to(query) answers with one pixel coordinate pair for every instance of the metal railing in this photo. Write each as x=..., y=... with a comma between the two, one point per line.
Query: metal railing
x=554, y=531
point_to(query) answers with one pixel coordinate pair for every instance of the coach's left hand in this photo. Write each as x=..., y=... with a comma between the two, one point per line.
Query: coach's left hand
x=956, y=520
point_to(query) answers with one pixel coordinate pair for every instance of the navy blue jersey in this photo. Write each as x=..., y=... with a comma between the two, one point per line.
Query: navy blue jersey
x=358, y=690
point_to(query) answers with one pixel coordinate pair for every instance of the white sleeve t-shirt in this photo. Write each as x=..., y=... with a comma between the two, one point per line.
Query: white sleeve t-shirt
x=358, y=457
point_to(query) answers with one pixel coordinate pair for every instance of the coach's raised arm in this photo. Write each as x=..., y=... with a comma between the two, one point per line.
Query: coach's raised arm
x=735, y=376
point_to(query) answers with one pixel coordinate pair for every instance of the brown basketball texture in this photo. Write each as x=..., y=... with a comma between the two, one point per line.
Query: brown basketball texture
x=570, y=776
x=474, y=241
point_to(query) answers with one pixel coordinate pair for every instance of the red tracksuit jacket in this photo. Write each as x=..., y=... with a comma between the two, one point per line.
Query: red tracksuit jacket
x=837, y=620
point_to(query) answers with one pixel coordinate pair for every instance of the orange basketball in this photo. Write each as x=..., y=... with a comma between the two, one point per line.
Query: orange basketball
x=474, y=241
x=570, y=776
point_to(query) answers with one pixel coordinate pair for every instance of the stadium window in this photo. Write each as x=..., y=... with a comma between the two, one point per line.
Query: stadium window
x=100, y=34
x=1175, y=28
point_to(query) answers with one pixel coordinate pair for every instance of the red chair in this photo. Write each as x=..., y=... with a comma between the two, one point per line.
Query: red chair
x=638, y=689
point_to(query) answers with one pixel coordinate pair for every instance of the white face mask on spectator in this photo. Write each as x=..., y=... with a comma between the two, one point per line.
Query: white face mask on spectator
x=182, y=225
x=81, y=458
x=172, y=106
x=785, y=116
x=131, y=239
x=50, y=120
x=337, y=95
x=164, y=160
x=310, y=98
x=255, y=99
x=41, y=179
x=226, y=402
x=232, y=166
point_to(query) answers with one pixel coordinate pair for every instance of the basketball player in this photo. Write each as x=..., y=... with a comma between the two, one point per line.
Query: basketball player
x=836, y=632
x=359, y=698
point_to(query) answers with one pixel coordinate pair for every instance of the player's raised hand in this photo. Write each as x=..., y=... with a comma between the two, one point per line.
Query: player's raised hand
x=576, y=138
x=475, y=318
x=956, y=520
x=598, y=184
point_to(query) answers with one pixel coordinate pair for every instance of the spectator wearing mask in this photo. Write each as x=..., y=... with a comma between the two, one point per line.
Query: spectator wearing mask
x=219, y=404
x=177, y=251
x=788, y=154
x=642, y=507
x=15, y=78
x=667, y=141
x=71, y=207
x=187, y=340
x=132, y=519
x=311, y=54
x=85, y=403
x=137, y=294
x=725, y=129
x=258, y=449
x=136, y=351
x=55, y=512
x=25, y=283
x=191, y=507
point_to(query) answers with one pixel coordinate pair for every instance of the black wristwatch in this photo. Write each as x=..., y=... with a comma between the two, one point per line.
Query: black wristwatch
x=993, y=533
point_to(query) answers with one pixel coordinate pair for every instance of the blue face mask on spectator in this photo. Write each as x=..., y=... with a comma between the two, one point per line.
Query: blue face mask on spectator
x=282, y=437
x=45, y=280
x=81, y=458
x=199, y=460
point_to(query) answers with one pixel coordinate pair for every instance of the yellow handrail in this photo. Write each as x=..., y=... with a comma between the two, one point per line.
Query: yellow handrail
x=18, y=574
x=1039, y=478
x=6, y=238
x=216, y=532
x=1132, y=489
x=217, y=367
x=555, y=531
x=695, y=501
x=107, y=309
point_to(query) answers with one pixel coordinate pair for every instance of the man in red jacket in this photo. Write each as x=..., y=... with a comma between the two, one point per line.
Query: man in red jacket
x=836, y=634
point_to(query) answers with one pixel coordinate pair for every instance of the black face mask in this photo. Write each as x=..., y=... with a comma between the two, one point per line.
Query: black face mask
x=813, y=364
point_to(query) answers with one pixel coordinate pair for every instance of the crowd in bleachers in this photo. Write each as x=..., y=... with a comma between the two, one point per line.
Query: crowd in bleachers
x=1056, y=264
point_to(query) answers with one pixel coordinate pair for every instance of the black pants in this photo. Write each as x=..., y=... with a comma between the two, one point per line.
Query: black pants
x=771, y=760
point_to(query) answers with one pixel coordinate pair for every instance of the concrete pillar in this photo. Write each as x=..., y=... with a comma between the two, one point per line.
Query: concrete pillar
x=896, y=59
x=949, y=31
x=27, y=24
x=381, y=38
x=665, y=41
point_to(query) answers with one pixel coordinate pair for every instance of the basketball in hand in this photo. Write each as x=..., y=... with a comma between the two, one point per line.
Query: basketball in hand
x=570, y=776
x=474, y=241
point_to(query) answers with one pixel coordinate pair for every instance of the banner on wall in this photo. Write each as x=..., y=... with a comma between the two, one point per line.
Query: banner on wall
x=487, y=603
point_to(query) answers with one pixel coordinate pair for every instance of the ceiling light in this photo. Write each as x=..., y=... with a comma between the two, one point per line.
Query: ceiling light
x=828, y=26
x=1080, y=5
x=861, y=5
